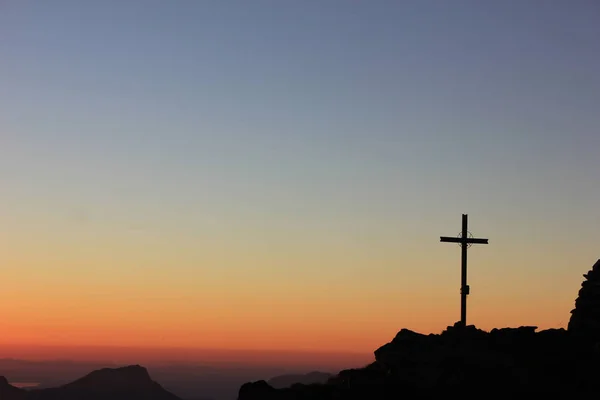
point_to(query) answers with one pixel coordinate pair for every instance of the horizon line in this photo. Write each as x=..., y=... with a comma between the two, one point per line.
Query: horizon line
x=167, y=347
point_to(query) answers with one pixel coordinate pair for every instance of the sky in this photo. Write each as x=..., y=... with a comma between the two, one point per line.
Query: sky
x=276, y=174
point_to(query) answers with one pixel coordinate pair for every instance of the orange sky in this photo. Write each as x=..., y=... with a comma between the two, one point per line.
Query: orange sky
x=82, y=297
x=91, y=287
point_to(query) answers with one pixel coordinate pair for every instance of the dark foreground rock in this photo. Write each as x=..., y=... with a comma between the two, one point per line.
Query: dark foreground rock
x=471, y=363
x=460, y=361
x=585, y=317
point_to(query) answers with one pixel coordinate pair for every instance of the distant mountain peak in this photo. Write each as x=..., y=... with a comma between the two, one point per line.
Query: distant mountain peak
x=132, y=376
x=284, y=381
x=124, y=383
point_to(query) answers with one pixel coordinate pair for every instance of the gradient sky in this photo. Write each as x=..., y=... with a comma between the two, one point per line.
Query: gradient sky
x=276, y=174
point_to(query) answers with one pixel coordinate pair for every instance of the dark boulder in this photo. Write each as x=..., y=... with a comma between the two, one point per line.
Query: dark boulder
x=585, y=317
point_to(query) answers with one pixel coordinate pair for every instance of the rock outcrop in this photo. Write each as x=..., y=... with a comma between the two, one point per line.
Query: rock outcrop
x=585, y=317
x=461, y=361
x=471, y=363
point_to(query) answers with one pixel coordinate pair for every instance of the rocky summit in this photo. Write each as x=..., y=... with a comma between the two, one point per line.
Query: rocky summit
x=462, y=361
x=585, y=317
x=472, y=363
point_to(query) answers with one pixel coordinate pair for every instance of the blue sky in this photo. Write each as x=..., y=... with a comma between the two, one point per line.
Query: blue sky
x=370, y=124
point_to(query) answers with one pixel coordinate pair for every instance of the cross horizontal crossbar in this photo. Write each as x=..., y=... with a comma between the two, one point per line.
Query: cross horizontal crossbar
x=463, y=240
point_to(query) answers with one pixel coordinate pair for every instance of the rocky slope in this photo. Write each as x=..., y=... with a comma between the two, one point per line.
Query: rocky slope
x=465, y=361
x=472, y=363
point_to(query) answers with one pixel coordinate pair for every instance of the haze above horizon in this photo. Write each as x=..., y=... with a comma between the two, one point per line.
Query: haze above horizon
x=276, y=175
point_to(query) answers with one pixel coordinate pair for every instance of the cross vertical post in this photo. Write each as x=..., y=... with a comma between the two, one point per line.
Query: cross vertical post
x=465, y=239
x=464, y=288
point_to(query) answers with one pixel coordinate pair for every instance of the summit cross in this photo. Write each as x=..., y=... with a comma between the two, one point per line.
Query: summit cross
x=465, y=239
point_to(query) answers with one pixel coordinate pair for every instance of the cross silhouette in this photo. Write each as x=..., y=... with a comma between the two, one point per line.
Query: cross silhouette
x=465, y=240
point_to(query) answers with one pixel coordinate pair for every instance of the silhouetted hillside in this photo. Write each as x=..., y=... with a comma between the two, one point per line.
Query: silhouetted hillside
x=127, y=383
x=465, y=361
x=284, y=381
x=471, y=363
x=8, y=392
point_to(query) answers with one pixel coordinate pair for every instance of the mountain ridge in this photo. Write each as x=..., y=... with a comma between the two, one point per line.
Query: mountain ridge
x=287, y=380
x=123, y=383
